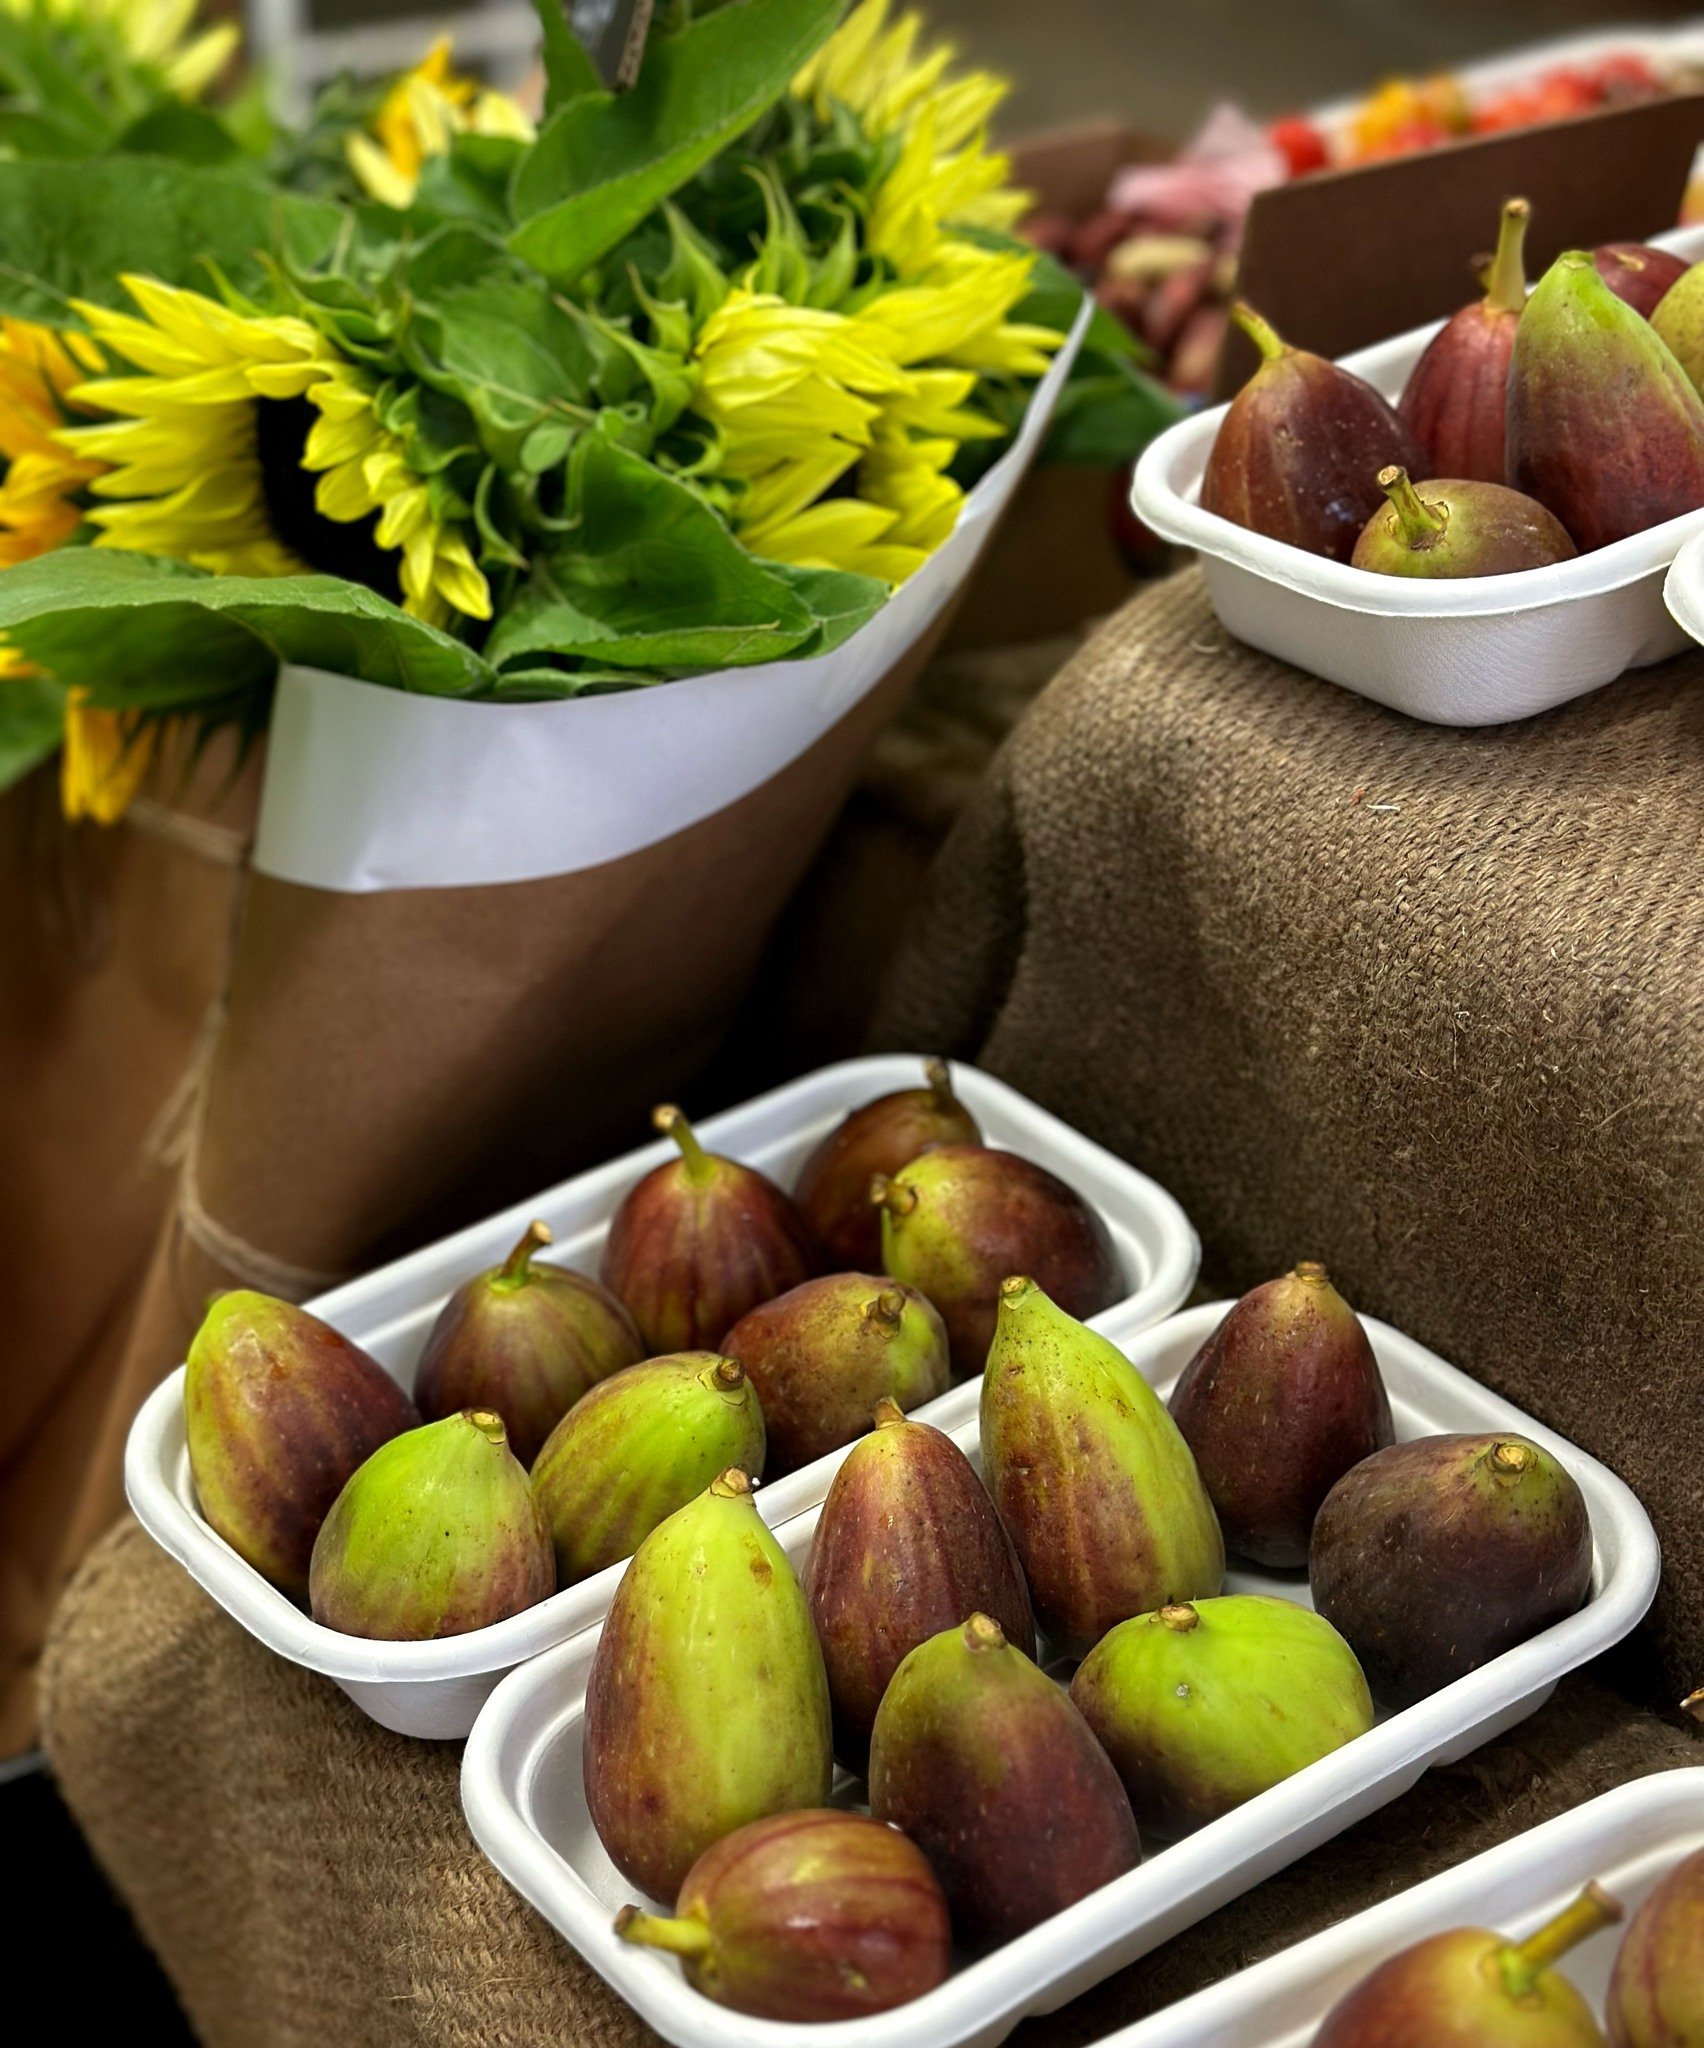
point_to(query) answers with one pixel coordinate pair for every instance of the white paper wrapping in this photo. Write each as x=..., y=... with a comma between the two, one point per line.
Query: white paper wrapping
x=371, y=788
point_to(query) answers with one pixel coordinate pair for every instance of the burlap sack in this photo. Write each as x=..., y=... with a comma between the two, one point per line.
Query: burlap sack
x=307, y=1878
x=1427, y=1005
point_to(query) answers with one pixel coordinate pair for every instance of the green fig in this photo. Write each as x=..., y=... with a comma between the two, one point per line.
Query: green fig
x=1454, y=527
x=1679, y=322
x=991, y=1771
x=707, y=1704
x=833, y=1188
x=1472, y=1989
x=436, y=1534
x=823, y=1354
x=279, y=1410
x=1605, y=428
x=958, y=1220
x=818, y=1915
x=1656, y=1995
x=1280, y=1401
x=640, y=1445
x=1202, y=1706
x=1435, y=1556
x=907, y=1544
x=1090, y=1475
x=525, y=1339
x=699, y=1242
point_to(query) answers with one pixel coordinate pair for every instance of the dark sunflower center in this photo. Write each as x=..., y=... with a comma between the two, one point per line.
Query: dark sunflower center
x=281, y=435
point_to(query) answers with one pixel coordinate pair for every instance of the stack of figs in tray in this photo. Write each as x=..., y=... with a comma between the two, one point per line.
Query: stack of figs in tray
x=558, y=1420
x=1533, y=428
x=1031, y=1660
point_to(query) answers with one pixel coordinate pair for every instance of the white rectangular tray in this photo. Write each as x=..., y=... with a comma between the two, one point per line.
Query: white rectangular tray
x=522, y=1794
x=1472, y=651
x=1628, y=1839
x=435, y=1689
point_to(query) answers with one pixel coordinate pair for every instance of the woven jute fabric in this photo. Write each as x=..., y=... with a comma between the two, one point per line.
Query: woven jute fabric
x=1425, y=1004
x=307, y=1879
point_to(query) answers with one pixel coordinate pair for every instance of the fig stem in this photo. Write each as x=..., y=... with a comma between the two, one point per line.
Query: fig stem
x=1521, y=1964
x=673, y=1124
x=887, y=1307
x=1310, y=1269
x=940, y=1078
x=727, y=1373
x=889, y=1195
x=1505, y=282
x=516, y=1267
x=1421, y=525
x=1261, y=332
x=983, y=1632
x=887, y=1412
x=1693, y=1704
x=1509, y=1461
x=690, y=1938
x=489, y=1424
x=1180, y=1617
x=731, y=1485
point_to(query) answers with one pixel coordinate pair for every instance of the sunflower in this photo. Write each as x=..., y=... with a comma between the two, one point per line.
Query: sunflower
x=419, y=118
x=152, y=32
x=104, y=759
x=249, y=446
x=39, y=492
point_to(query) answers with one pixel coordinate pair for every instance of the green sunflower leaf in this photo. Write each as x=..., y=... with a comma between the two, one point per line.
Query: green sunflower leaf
x=604, y=160
x=568, y=70
x=190, y=134
x=32, y=714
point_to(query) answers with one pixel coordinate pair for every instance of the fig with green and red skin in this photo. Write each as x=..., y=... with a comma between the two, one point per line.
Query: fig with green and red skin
x=526, y=1339
x=1679, y=323
x=1434, y=1556
x=707, y=1703
x=700, y=1242
x=1454, y=527
x=987, y=1766
x=907, y=1544
x=1605, y=427
x=1278, y=1403
x=824, y=1353
x=1299, y=447
x=815, y=1915
x=640, y=1445
x=833, y=1189
x=1091, y=1477
x=957, y=1221
x=1656, y=1994
x=279, y=1410
x=437, y=1533
x=1457, y=395
x=1636, y=272
x=1471, y=1988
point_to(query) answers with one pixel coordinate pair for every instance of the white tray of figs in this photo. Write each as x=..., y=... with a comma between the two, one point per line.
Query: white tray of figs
x=524, y=1775
x=434, y=1688
x=1642, y=1844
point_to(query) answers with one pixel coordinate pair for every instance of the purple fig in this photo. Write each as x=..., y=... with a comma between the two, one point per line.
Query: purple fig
x=437, y=1533
x=1457, y=395
x=817, y=1915
x=958, y=1220
x=833, y=1190
x=279, y=1410
x=1454, y=527
x=823, y=1354
x=1656, y=1996
x=907, y=1545
x=1636, y=272
x=997, y=1778
x=700, y=1242
x=1299, y=447
x=1278, y=1403
x=527, y=1340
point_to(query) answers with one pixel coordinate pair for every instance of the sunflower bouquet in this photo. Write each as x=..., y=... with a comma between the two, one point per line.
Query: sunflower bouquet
x=690, y=378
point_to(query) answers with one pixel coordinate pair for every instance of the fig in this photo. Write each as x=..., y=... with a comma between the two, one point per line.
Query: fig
x=1203, y=1705
x=280, y=1409
x=1656, y=1993
x=907, y=1545
x=833, y=1190
x=436, y=1534
x=700, y=1242
x=1432, y=1557
x=527, y=1340
x=1277, y=1405
x=824, y=1353
x=1470, y=1988
x=707, y=1703
x=1300, y=446
x=1091, y=1477
x=1636, y=272
x=818, y=1915
x=640, y=1445
x=1453, y=527
x=958, y=1220
x=1457, y=394
x=997, y=1778
x=1679, y=323
x=1605, y=428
